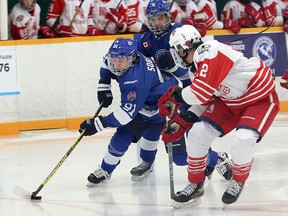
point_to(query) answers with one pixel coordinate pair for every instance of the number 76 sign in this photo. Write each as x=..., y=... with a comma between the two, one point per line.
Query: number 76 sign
x=9, y=84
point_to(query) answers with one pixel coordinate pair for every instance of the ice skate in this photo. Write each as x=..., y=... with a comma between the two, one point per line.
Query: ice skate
x=98, y=176
x=232, y=192
x=224, y=166
x=209, y=172
x=190, y=195
x=142, y=171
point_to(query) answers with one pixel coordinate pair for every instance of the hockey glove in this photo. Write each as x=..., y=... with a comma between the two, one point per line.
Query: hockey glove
x=117, y=18
x=251, y=11
x=233, y=26
x=63, y=30
x=285, y=77
x=285, y=12
x=93, y=31
x=165, y=62
x=92, y=126
x=169, y=103
x=104, y=93
x=245, y=22
x=46, y=32
x=179, y=124
x=202, y=28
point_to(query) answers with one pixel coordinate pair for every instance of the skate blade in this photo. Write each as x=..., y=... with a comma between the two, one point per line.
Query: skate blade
x=140, y=178
x=224, y=206
x=192, y=203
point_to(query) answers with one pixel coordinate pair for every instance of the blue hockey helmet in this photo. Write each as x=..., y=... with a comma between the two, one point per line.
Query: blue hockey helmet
x=158, y=16
x=121, y=56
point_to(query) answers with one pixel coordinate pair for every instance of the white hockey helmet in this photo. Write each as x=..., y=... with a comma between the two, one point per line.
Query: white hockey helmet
x=182, y=40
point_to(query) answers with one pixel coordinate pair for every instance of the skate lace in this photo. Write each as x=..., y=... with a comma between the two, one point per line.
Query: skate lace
x=189, y=189
x=144, y=165
x=100, y=173
x=222, y=165
x=234, y=188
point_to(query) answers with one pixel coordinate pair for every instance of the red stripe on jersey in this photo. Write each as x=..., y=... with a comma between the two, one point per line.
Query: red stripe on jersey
x=260, y=86
x=210, y=74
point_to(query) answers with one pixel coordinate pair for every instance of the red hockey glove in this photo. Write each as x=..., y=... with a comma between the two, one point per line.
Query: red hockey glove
x=93, y=31
x=245, y=22
x=233, y=26
x=202, y=28
x=285, y=77
x=176, y=130
x=189, y=21
x=285, y=26
x=169, y=103
x=250, y=10
x=63, y=30
x=46, y=32
x=117, y=18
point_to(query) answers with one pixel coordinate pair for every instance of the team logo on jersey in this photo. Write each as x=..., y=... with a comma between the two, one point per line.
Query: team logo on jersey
x=146, y=44
x=265, y=49
x=19, y=18
x=131, y=96
x=203, y=48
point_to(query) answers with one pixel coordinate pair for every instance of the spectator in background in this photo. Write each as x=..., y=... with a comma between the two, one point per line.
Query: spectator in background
x=239, y=14
x=24, y=21
x=68, y=19
x=136, y=19
x=110, y=16
x=272, y=12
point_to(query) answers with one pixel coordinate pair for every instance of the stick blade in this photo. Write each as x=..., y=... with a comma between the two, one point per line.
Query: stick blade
x=21, y=192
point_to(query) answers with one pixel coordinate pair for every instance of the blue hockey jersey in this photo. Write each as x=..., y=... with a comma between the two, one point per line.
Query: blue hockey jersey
x=151, y=45
x=141, y=87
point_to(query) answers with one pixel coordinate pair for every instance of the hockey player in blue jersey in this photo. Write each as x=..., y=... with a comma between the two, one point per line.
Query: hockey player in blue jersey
x=155, y=44
x=137, y=118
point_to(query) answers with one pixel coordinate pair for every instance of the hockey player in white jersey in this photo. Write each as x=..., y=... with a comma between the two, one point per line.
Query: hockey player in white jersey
x=239, y=93
x=136, y=19
x=110, y=16
x=24, y=21
x=272, y=12
x=68, y=19
x=238, y=14
x=137, y=117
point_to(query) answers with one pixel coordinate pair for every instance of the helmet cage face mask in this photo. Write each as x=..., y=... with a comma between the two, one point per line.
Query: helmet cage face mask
x=119, y=60
x=121, y=56
x=156, y=12
x=26, y=7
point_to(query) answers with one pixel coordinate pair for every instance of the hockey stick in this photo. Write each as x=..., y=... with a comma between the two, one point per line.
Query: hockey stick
x=19, y=191
x=72, y=20
x=170, y=161
x=118, y=5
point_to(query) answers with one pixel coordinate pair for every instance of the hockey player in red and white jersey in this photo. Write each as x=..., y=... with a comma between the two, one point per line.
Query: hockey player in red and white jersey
x=284, y=7
x=284, y=82
x=136, y=19
x=68, y=19
x=239, y=93
x=24, y=21
x=272, y=12
x=207, y=9
x=110, y=16
x=242, y=13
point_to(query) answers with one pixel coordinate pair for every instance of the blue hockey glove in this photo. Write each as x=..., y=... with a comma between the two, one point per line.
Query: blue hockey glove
x=104, y=93
x=92, y=126
x=166, y=62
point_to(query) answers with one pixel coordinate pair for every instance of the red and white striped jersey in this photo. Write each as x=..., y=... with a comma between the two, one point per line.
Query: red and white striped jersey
x=272, y=12
x=24, y=24
x=234, y=10
x=100, y=10
x=136, y=15
x=224, y=72
x=67, y=9
x=208, y=9
x=181, y=13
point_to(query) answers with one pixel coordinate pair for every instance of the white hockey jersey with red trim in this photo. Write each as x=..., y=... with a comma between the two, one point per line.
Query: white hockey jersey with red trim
x=23, y=24
x=136, y=15
x=226, y=73
x=272, y=12
x=66, y=9
x=100, y=9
